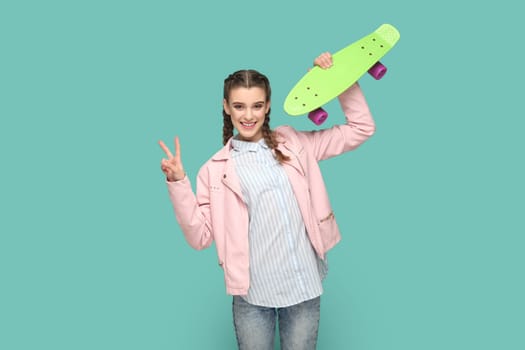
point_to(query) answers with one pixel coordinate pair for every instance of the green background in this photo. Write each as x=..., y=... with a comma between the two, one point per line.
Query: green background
x=431, y=208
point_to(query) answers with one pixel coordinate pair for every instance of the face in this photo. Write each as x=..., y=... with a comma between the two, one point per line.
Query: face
x=247, y=108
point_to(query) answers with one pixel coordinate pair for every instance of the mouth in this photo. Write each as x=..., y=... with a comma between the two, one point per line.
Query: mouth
x=248, y=125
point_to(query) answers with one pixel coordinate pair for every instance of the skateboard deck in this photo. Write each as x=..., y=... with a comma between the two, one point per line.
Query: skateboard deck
x=319, y=86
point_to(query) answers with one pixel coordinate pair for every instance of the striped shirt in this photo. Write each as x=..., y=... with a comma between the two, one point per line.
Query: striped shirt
x=284, y=269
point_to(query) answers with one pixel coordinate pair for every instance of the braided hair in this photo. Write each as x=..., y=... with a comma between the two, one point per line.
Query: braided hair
x=250, y=78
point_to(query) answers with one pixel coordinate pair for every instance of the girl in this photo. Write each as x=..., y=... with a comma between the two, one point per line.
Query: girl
x=263, y=201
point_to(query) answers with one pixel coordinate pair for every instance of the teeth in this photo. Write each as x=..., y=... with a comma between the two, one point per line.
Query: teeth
x=248, y=124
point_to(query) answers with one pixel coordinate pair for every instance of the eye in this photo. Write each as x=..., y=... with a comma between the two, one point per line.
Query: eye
x=238, y=107
x=259, y=106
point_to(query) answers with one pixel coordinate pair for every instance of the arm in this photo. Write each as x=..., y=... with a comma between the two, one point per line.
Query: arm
x=191, y=211
x=359, y=124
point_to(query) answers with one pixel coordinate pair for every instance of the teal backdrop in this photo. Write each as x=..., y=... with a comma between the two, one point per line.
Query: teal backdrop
x=431, y=208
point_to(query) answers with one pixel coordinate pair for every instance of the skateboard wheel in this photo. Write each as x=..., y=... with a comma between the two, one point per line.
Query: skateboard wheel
x=377, y=70
x=318, y=116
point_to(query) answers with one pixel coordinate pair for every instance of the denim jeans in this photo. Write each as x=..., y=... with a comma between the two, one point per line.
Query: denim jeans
x=255, y=325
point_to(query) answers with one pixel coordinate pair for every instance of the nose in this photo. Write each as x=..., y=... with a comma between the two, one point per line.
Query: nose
x=249, y=114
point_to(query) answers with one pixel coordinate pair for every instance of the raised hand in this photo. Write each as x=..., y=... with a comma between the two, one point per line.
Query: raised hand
x=324, y=60
x=172, y=166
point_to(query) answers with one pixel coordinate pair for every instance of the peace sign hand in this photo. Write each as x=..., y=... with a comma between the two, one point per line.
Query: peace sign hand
x=172, y=167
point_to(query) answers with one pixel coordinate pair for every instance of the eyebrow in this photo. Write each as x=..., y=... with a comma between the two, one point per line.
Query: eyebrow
x=242, y=103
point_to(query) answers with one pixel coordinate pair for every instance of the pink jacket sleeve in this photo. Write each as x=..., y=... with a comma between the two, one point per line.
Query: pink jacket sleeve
x=338, y=139
x=192, y=211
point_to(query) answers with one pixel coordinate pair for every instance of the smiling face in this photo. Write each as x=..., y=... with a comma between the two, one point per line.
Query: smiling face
x=247, y=108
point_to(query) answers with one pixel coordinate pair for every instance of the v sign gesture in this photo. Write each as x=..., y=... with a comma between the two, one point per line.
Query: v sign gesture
x=172, y=167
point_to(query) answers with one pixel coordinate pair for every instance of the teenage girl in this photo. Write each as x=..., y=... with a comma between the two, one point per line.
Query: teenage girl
x=263, y=201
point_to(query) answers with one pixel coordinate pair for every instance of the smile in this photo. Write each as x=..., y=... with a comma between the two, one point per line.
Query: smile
x=248, y=125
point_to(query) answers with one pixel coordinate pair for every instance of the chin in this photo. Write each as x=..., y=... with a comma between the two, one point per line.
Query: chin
x=250, y=136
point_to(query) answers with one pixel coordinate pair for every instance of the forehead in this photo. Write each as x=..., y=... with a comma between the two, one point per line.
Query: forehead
x=247, y=95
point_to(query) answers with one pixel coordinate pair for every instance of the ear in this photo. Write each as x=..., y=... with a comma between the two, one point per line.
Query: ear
x=226, y=107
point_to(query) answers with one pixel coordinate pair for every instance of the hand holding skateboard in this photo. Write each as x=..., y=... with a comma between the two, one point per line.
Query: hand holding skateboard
x=324, y=60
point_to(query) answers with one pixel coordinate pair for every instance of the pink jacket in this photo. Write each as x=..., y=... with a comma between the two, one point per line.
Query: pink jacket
x=217, y=212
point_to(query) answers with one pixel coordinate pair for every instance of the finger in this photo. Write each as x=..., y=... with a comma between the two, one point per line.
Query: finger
x=165, y=149
x=177, y=146
x=166, y=166
x=324, y=60
x=163, y=166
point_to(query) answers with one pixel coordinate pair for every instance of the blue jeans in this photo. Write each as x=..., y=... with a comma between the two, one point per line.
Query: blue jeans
x=255, y=325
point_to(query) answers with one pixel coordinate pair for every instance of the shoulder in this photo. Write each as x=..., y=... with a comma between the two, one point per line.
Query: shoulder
x=285, y=133
x=285, y=129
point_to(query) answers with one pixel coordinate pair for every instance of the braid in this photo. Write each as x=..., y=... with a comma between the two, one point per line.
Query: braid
x=227, y=128
x=270, y=137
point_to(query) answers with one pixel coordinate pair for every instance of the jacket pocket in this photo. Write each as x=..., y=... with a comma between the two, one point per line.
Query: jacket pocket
x=329, y=231
x=328, y=217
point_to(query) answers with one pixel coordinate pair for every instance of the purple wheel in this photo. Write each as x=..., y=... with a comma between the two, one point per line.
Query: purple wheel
x=377, y=70
x=318, y=116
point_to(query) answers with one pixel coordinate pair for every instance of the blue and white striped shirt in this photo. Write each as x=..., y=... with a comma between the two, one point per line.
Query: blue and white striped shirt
x=284, y=269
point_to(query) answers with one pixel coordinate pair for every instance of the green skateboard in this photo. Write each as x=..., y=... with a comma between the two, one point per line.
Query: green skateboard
x=319, y=86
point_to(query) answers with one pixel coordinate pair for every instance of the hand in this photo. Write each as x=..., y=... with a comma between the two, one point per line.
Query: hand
x=324, y=60
x=172, y=167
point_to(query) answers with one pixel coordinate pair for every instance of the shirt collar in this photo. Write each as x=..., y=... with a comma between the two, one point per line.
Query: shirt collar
x=247, y=146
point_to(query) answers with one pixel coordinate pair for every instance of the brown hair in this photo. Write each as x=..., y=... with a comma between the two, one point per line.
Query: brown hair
x=250, y=78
